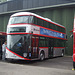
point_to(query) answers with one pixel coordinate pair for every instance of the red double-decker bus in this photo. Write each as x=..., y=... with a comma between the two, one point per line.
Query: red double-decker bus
x=74, y=44
x=30, y=37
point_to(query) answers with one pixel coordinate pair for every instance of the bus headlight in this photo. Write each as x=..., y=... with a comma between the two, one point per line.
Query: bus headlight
x=25, y=54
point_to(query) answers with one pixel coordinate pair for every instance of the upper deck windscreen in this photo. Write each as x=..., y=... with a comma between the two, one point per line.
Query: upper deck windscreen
x=20, y=19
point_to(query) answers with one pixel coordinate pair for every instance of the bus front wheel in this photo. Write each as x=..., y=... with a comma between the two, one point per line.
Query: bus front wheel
x=42, y=56
x=74, y=65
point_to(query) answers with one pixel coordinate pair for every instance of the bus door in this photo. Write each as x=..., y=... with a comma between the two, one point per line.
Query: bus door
x=34, y=44
x=51, y=45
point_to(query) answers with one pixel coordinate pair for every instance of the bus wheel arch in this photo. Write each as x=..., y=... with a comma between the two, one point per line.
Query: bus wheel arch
x=42, y=55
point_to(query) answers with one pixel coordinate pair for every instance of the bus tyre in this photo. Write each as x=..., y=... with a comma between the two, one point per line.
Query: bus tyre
x=42, y=56
x=74, y=65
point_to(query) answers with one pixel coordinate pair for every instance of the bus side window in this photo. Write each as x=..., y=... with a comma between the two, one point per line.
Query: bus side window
x=51, y=26
x=45, y=24
x=30, y=19
x=35, y=20
x=51, y=42
x=42, y=42
x=46, y=42
x=40, y=22
x=54, y=27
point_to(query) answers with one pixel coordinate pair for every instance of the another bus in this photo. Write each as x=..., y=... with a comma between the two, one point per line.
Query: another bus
x=31, y=37
x=74, y=44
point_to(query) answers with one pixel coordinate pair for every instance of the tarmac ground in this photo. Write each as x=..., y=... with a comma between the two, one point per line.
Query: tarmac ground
x=55, y=66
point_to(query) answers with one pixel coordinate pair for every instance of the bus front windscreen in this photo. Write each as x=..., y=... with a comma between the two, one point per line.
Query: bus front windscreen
x=18, y=43
x=20, y=19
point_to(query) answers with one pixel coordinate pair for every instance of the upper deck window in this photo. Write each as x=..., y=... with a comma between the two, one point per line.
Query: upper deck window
x=20, y=19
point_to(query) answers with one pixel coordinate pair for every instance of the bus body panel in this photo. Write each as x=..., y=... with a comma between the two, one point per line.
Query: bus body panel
x=35, y=29
x=45, y=49
x=10, y=55
x=58, y=51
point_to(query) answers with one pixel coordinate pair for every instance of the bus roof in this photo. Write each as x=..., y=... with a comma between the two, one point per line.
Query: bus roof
x=33, y=14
